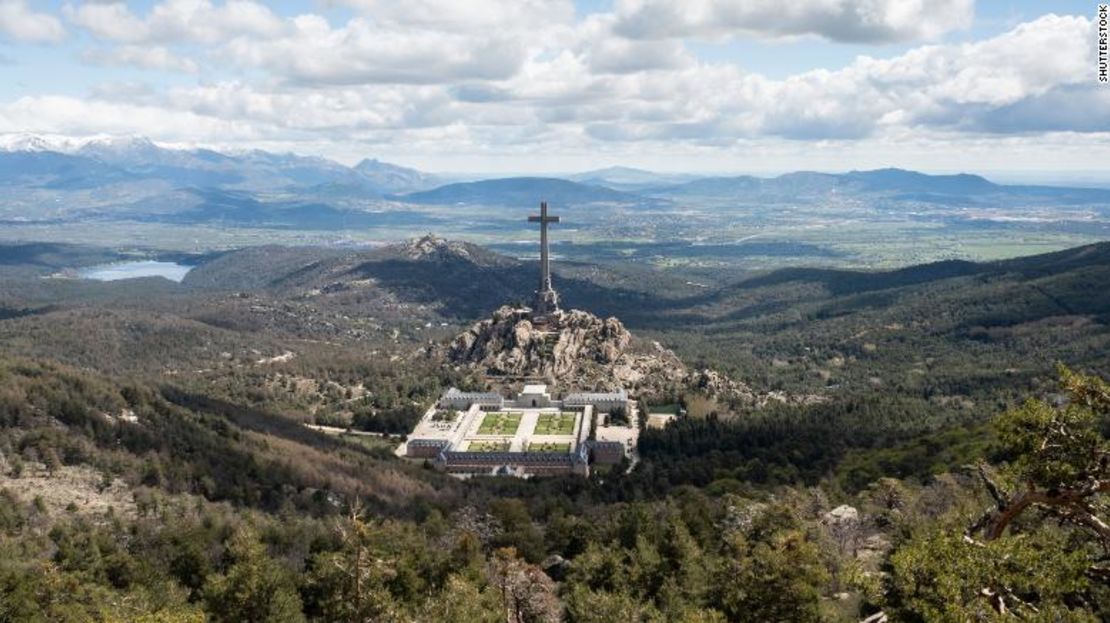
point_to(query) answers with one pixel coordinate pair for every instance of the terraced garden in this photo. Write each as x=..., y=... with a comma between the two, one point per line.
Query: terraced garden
x=549, y=446
x=555, y=424
x=488, y=446
x=499, y=423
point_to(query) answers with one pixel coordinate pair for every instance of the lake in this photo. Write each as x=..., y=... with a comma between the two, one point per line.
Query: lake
x=128, y=270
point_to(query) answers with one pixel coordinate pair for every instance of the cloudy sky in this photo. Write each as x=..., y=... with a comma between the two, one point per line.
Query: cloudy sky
x=553, y=85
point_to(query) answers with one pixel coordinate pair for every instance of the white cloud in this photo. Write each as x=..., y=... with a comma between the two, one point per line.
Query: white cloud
x=144, y=57
x=605, y=52
x=19, y=22
x=81, y=117
x=481, y=17
x=874, y=21
x=314, y=52
x=959, y=86
x=998, y=85
x=176, y=21
x=340, y=110
x=422, y=41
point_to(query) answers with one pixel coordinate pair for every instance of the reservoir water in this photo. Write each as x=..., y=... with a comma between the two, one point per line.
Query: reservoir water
x=128, y=270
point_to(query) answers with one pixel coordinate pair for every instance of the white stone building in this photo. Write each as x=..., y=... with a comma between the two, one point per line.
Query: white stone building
x=528, y=434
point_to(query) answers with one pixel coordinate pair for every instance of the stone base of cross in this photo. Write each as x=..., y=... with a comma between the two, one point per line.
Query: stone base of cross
x=545, y=304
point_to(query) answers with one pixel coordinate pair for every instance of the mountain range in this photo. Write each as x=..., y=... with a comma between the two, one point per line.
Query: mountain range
x=898, y=184
x=520, y=191
x=57, y=179
x=63, y=163
x=629, y=179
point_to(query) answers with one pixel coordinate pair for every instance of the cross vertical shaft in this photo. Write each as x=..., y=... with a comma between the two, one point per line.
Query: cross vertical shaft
x=547, y=300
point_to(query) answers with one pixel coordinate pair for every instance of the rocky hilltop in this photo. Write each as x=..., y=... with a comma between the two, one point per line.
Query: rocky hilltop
x=433, y=248
x=577, y=349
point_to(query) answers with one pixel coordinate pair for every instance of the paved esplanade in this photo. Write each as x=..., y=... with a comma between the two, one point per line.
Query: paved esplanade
x=547, y=301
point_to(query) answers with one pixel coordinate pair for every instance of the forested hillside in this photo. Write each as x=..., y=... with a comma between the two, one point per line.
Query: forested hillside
x=155, y=461
x=126, y=503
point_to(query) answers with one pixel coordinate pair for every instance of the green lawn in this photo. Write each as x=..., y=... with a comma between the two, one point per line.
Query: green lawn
x=549, y=447
x=499, y=423
x=487, y=446
x=670, y=408
x=552, y=424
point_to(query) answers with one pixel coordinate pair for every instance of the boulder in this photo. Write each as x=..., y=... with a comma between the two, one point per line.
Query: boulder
x=841, y=515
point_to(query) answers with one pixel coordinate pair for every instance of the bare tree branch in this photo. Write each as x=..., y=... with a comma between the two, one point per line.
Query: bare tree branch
x=992, y=487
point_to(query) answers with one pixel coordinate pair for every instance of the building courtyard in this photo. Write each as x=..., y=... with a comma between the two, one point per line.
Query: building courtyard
x=530, y=434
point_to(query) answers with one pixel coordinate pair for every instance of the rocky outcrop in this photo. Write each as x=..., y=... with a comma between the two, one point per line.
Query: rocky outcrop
x=713, y=383
x=580, y=350
x=570, y=345
x=433, y=248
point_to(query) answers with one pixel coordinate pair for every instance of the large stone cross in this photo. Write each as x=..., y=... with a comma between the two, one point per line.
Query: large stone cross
x=546, y=299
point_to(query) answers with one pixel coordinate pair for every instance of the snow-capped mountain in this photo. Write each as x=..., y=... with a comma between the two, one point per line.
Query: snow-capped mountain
x=25, y=142
x=87, y=162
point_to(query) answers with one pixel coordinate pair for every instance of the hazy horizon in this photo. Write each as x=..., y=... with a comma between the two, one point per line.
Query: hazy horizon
x=1092, y=178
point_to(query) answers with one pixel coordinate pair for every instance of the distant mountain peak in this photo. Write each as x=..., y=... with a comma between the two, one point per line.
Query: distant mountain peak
x=30, y=142
x=520, y=191
x=70, y=145
x=123, y=147
x=628, y=178
x=905, y=180
x=393, y=178
x=124, y=141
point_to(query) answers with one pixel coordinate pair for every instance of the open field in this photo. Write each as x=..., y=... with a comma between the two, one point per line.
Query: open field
x=549, y=447
x=555, y=424
x=498, y=423
x=487, y=446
